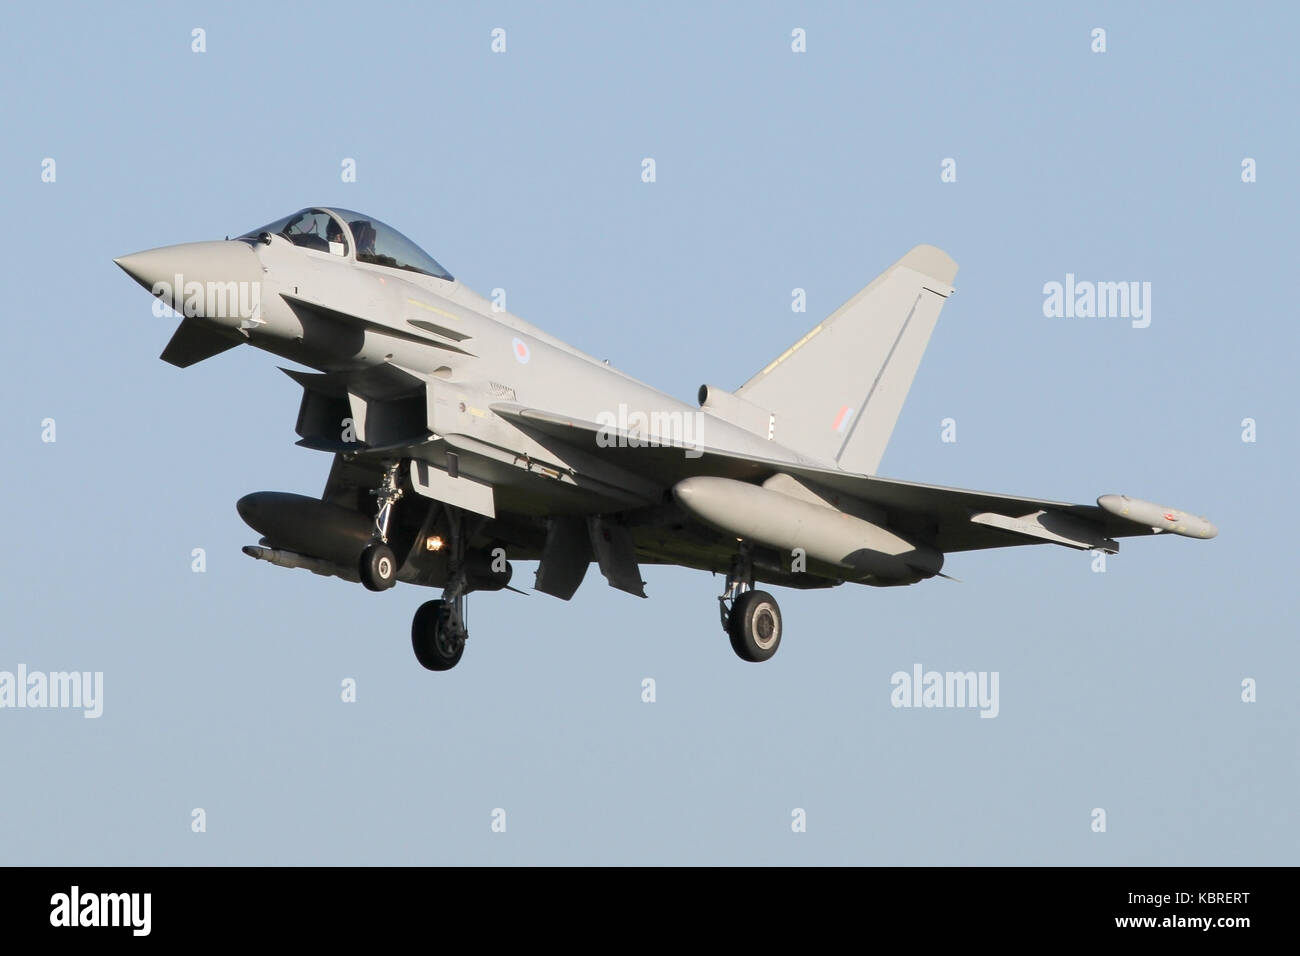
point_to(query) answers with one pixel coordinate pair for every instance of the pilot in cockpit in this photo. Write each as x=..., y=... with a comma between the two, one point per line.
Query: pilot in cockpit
x=334, y=236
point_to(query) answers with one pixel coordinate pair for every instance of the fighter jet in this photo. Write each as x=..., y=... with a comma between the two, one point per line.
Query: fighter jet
x=465, y=439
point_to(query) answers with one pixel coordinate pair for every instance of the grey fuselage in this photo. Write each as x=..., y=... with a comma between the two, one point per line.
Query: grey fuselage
x=494, y=356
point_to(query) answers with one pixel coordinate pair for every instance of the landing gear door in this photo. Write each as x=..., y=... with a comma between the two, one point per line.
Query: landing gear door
x=446, y=407
x=451, y=489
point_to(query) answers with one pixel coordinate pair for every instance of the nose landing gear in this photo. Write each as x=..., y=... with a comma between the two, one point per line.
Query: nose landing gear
x=378, y=566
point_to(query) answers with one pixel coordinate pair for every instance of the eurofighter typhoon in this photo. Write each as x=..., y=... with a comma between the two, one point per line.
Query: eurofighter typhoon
x=464, y=439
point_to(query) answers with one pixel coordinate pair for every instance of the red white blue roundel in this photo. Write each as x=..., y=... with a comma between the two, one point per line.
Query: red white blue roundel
x=521, y=351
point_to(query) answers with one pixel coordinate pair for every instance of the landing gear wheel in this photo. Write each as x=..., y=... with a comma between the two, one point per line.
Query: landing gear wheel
x=378, y=567
x=754, y=626
x=437, y=647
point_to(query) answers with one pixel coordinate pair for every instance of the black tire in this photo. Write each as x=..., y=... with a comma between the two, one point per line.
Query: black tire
x=378, y=567
x=434, y=647
x=755, y=626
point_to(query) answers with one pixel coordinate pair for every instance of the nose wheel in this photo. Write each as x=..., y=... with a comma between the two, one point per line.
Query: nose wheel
x=378, y=568
x=378, y=565
x=751, y=618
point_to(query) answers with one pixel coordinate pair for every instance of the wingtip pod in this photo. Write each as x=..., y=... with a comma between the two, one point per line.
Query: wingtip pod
x=1157, y=517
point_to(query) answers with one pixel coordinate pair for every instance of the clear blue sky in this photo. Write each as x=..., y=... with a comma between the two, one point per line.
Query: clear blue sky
x=775, y=170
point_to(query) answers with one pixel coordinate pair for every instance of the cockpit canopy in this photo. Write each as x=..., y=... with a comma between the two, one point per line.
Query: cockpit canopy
x=340, y=231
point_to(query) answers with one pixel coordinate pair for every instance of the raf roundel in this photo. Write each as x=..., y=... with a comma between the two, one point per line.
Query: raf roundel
x=521, y=351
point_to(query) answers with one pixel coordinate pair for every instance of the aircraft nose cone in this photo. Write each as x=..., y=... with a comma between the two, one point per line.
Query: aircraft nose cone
x=213, y=280
x=144, y=267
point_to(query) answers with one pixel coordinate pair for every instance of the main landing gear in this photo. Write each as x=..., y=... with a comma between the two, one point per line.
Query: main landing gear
x=438, y=634
x=751, y=618
x=438, y=631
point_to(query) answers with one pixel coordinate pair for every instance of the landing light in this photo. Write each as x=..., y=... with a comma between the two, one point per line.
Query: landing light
x=433, y=543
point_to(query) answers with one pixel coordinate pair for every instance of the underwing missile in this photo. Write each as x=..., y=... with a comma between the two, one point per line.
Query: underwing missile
x=291, y=559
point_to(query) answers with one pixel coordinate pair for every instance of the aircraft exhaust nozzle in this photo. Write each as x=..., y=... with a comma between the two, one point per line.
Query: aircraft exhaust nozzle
x=863, y=550
x=1156, y=516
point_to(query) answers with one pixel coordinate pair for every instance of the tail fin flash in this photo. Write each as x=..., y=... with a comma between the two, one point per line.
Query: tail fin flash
x=837, y=392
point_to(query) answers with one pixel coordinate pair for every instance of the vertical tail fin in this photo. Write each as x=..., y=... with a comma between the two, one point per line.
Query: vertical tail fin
x=837, y=392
